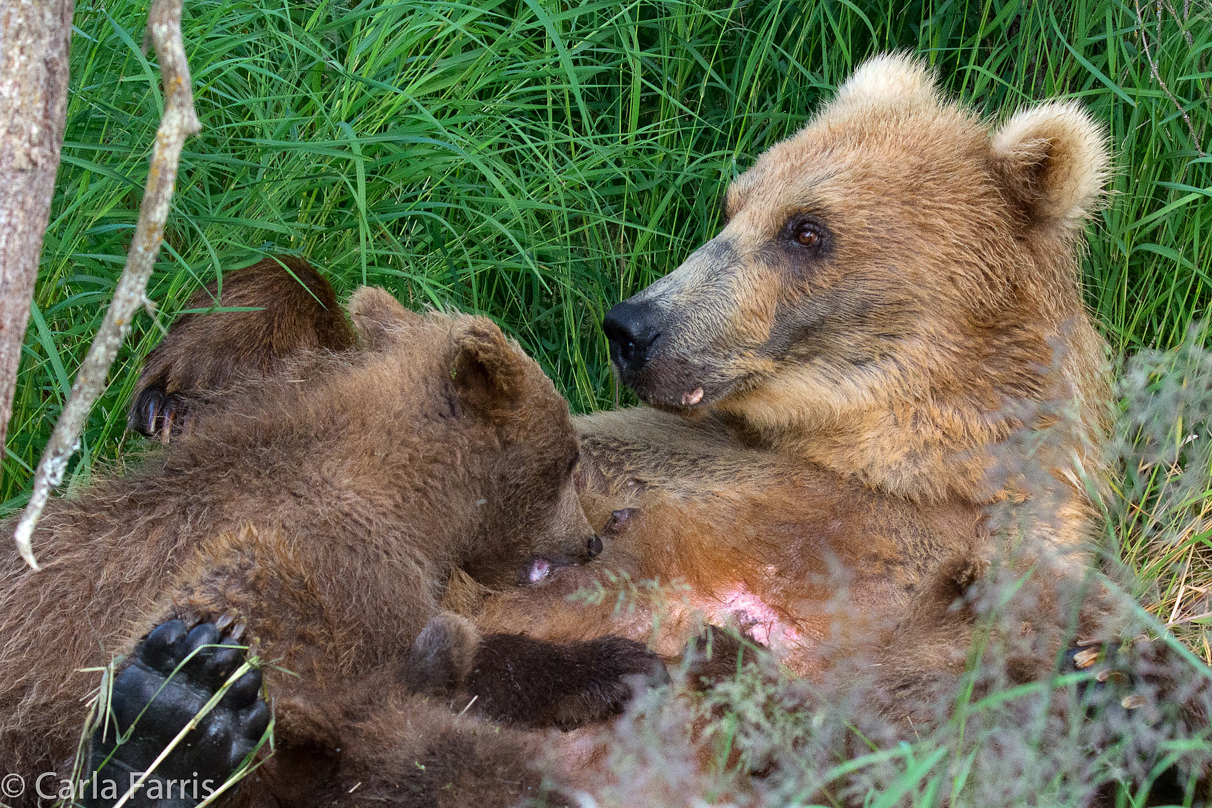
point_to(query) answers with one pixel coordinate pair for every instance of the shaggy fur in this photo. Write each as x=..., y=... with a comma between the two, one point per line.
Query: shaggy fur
x=855, y=394
x=328, y=508
x=831, y=419
x=288, y=308
x=830, y=485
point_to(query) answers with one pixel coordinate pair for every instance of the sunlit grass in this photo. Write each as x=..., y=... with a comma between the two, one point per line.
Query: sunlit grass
x=537, y=163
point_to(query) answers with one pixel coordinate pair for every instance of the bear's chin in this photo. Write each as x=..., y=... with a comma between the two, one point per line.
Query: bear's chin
x=682, y=390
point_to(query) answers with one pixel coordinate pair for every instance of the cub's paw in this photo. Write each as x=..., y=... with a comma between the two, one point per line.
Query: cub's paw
x=521, y=680
x=442, y=655
x=157, y=414
x=172, y=674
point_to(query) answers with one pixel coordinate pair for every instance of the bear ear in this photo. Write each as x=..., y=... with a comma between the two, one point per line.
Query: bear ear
x=889, y=78
x=1052, y=162
x=378, y=317
x=488, y=373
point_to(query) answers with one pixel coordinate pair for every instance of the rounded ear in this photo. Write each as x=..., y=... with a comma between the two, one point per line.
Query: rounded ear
x=889, y=78
x=488, y=373
x=378, y=317
x=1051, y=162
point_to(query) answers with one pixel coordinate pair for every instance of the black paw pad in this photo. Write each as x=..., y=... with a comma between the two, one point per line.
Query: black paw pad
x=157, y=414
x=172, y=675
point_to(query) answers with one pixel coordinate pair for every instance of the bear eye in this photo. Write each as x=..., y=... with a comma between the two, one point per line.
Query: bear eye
x=807, y=233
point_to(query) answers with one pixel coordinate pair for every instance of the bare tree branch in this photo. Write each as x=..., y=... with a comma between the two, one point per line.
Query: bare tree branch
x=34, y=38
x=178, y=123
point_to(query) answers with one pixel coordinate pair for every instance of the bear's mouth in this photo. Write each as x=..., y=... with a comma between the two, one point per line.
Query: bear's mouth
x=685, y=399
x=686, y=391
x=674, y=386
x=540, y=568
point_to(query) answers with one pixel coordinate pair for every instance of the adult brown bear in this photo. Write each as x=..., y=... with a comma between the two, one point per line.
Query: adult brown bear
x=831, y=382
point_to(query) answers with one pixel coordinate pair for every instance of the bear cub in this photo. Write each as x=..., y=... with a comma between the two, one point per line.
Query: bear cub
x=318, y=516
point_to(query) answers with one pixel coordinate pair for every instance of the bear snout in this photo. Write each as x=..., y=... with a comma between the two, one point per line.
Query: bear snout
x=632, y=328
x=595, y=546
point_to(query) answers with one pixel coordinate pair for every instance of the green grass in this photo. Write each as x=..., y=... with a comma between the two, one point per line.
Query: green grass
x=537, y=162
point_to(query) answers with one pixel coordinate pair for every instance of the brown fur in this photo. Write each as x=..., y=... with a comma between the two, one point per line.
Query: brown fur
x=293, y=310
x=830, y=490
x=327, y=508
x=856, y=396
x=842, y=456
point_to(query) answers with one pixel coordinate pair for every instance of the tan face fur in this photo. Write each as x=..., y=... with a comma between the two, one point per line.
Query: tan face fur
x=892, y=251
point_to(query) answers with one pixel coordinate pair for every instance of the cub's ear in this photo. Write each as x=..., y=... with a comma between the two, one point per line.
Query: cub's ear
x=379, y=317
x=489, y=373
x=1052, y=163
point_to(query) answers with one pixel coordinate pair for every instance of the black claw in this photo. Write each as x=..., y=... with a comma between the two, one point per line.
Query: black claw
x=145, y=411
x=173, y=412
x=157, y=414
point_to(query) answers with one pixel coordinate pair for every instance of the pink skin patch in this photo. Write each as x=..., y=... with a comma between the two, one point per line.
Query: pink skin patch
x=540, y=568
x=753, y=614
x=693, y=397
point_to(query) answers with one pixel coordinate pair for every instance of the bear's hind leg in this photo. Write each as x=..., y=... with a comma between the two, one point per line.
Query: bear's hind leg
x=399, y=749
x=521, y=681
x=172, y=674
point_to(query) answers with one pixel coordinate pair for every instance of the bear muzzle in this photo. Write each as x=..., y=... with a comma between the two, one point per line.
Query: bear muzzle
x=632, y=328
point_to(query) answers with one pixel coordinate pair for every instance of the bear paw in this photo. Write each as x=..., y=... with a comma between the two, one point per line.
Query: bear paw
x=1111, y=686
x=521, y=680
x=172, y=674
x=158, y=414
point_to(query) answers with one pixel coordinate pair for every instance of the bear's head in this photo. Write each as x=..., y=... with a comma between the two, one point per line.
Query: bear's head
x=488, y=408
x=890, y=285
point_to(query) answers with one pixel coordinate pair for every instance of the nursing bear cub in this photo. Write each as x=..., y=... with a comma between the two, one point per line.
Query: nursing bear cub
x=320, y=514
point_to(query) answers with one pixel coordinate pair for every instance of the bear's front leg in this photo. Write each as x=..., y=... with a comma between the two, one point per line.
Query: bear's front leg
x=527, y=682
x=172, y=674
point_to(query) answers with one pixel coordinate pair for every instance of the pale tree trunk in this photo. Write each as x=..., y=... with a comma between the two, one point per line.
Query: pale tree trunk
x=34, y=37
x=177, y=124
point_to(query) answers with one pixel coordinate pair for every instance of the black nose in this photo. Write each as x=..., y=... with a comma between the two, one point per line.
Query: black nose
x=632, y=331
x=595, y=547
